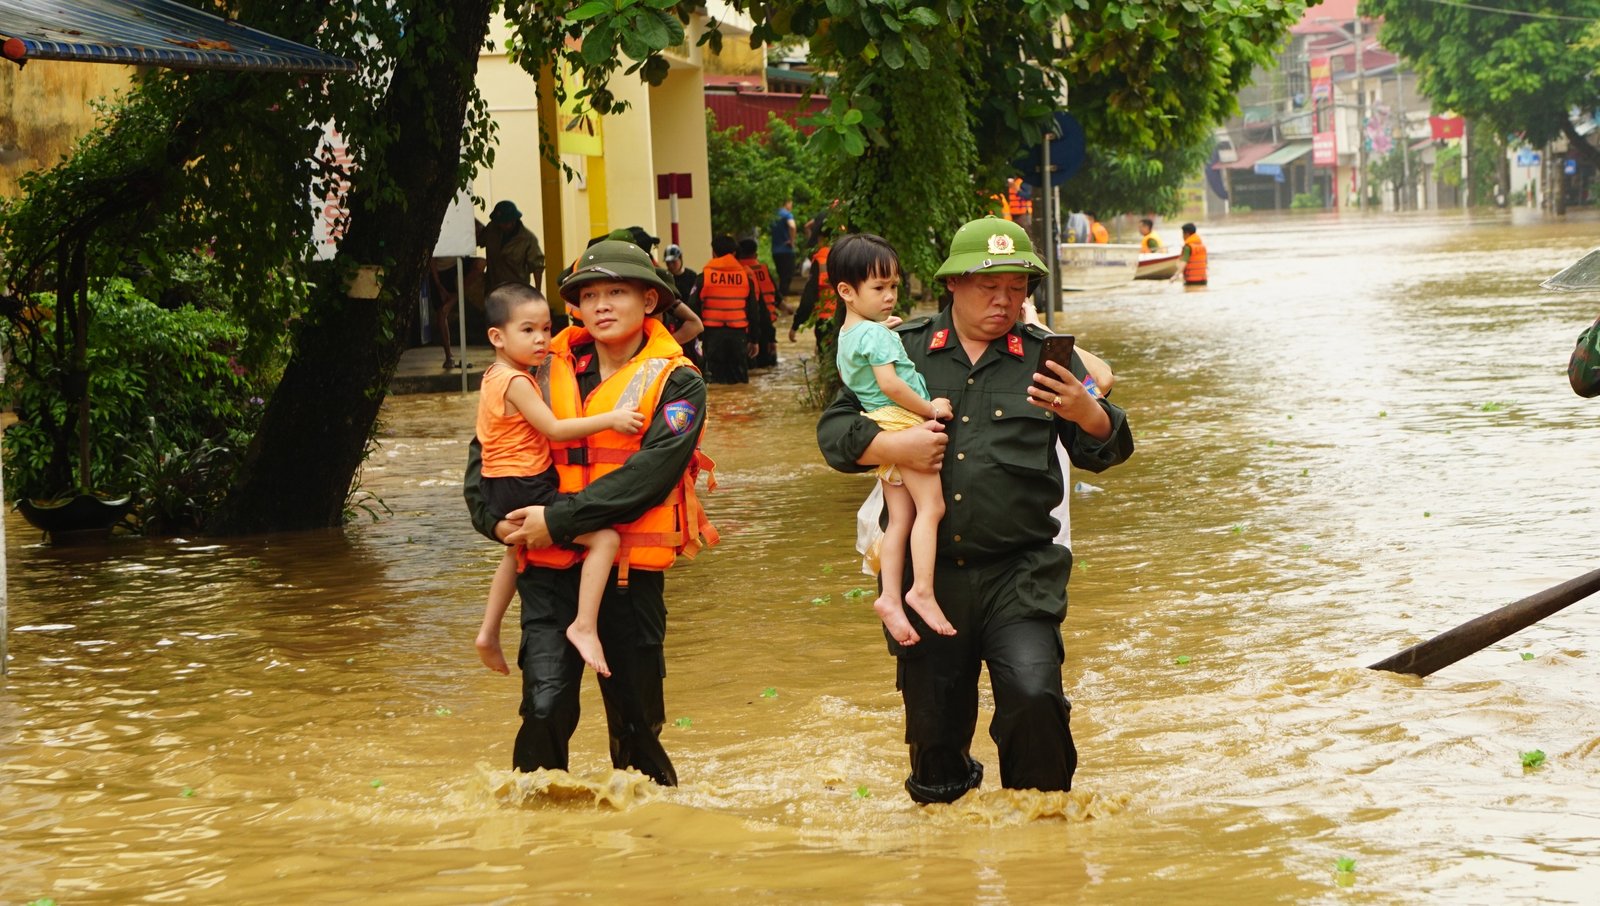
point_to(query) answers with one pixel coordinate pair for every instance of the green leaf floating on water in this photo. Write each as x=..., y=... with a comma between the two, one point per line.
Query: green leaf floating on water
x=1527, y=655
x=187, y=792
x=1532, y=759
x=1493, y=406
x=377, y=783
x=827, y=569
x=43, y=901
x=1182, y=659
x=1344, y=864
x=862, y=792
x=821, y=600
x=857, y=593
x=770, y=692
x=682, y=723
x=443, y=711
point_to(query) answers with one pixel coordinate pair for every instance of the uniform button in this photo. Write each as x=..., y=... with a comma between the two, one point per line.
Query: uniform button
x=971, y=381
x=961, y=561
x=965, y=419
x=961, y=456
x=958, y=496
x=957, y=538
x=998, y=413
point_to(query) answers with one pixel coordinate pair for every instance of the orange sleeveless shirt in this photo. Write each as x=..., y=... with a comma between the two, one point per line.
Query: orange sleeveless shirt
x=511, y=446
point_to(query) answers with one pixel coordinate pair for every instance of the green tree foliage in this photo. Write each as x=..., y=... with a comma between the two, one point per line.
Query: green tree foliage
x=224, y=161
x=1519, y=73
x=752, y=175
x=180, y=362
x=933, y=99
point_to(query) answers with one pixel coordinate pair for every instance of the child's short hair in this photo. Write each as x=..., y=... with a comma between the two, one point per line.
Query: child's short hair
x=723, y=244
x=860, y=256
x=1188, y=229
x=1147, y=223
x=747, y=248
x=504, y=299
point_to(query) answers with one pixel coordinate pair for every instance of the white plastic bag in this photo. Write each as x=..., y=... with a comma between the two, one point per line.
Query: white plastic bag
x=868, y=531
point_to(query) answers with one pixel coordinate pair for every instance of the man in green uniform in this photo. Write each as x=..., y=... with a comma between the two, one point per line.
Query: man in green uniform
x=633, y=619
x=1000, y=578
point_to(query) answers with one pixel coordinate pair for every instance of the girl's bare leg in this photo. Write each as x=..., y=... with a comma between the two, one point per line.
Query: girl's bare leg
x=928, y=496
x=584, y=633
x=892, y=564
x=501, y=591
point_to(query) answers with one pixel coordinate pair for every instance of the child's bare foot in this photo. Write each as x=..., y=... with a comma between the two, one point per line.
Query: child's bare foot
x=894, y=620
x=926, y=607
x=587, y=641
x=489, y=652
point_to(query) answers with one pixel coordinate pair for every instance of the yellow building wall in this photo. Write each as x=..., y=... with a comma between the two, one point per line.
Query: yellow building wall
x=678, y=129
x=662, y=131
x=44, y=110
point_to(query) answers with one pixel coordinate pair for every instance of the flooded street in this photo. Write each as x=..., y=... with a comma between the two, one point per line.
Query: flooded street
x=1359, y=435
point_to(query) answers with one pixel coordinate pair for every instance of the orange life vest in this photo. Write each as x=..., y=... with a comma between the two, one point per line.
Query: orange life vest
x=676, y=525
x=1194, y=270
x=1014, y=200
x=827, y=299
x=724, y=290
x=766, y=287
x=1098, y=233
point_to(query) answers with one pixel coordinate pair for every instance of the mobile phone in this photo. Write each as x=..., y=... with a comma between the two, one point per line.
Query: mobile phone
x=1056, y=348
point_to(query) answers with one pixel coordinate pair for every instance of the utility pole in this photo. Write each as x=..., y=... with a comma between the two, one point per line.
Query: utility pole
x=1361, y=123
x=1405, y=139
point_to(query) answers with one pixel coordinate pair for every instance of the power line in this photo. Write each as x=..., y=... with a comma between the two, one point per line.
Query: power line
x=1527, y=14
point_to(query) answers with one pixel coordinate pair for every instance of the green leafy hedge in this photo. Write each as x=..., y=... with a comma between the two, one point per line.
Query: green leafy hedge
x=166, y=390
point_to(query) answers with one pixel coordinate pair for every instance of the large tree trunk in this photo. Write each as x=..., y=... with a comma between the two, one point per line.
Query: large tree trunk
x=314, y=433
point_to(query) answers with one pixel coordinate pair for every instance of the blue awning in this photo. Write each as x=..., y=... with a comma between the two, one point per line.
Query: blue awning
x=149, y=33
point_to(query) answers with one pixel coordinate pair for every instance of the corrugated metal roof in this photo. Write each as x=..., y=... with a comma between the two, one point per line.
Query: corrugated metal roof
x=151, y=33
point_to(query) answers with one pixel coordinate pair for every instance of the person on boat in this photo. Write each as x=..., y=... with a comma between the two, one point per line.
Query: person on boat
x=1097, y=230
x=1193, y=271
x=999, y=576
x=641, y=484
x=1148, y=240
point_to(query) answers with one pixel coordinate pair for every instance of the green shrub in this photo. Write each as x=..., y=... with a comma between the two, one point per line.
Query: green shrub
x=1303, y=200
x=170, y=404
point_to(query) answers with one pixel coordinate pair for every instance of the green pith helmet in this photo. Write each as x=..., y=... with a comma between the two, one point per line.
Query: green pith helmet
x=612, y=259
x=991, y=245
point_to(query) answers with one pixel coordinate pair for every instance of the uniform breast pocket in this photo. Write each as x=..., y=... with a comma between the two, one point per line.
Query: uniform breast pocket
x=1021, y=436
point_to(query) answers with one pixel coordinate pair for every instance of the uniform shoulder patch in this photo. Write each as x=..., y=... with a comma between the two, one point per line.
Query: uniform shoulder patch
x=914, y=324
x=679, y=415
x=1014, y=345
x=1037, y=331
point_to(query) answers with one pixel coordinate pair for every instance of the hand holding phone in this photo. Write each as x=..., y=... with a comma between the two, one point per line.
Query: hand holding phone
x=1057, y=348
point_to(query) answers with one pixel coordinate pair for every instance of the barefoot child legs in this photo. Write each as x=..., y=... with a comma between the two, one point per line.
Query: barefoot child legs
x=892, y=562
x=501, y=591
x=928, y=498
x=584, y=633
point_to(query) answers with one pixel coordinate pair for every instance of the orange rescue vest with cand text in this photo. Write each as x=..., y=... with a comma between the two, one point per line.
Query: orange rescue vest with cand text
x=676, y=525
x=724, y=290
x=766, y=288
x=1194, y=270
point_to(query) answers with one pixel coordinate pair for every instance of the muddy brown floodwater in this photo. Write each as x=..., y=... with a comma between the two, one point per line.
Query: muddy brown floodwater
x=1359, y=435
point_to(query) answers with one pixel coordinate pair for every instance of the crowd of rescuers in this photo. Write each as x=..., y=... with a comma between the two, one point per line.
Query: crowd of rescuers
x=986, y=587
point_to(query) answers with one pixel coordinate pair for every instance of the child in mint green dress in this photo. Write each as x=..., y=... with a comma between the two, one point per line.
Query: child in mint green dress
x=865, y=272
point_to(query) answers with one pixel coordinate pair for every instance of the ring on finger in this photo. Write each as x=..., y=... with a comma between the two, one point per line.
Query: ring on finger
x=1057, y=402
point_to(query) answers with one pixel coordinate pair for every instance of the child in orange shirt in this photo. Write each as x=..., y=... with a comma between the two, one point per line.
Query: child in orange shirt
x=515, y=426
